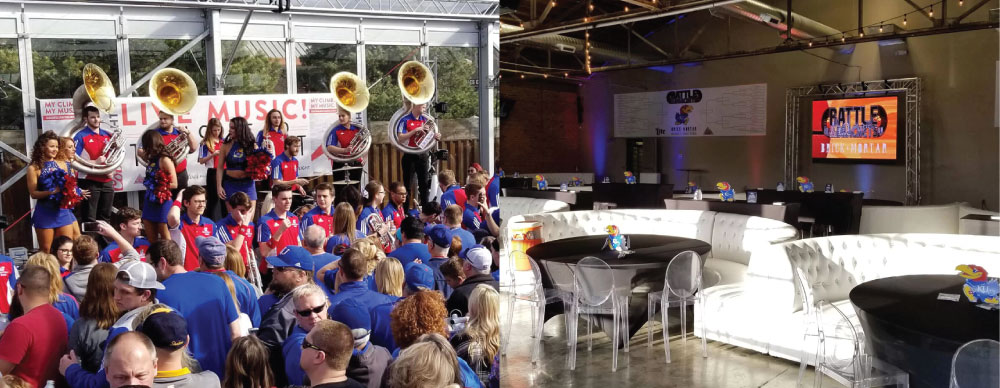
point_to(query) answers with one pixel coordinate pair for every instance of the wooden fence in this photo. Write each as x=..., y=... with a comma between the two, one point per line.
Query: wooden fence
x=386, y=165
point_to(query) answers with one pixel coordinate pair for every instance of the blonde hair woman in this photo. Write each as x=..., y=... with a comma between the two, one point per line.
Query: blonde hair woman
x=63, y=302
x=428, y=363
x=389, y=277
x=481, y=339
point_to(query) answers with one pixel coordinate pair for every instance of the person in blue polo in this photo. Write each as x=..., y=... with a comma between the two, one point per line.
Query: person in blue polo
x=439, y=241
x=293, y=269
x=413, y=247
x=417, y=277
x=213, y=256
x=353, y=269
x=310, y=308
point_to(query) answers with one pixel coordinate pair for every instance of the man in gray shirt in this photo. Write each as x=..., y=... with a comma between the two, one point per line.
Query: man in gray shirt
x=168, y=331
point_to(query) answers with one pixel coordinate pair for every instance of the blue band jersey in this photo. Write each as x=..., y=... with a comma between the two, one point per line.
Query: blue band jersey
x=89, y=144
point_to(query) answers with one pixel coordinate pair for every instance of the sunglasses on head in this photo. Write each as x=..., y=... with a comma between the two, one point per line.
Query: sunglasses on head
x=308, y=312
x=307, y=345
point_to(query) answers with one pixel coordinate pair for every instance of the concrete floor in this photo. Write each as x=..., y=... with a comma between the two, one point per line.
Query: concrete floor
x=726, y=365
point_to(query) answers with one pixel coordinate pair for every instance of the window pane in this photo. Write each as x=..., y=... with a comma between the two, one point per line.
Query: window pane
x=259, y=67
x=457, y=77
x=320, y=61
x=58, y=64
x=14, y=201
x=145, y=54
x=385, y=97
x=11, y=114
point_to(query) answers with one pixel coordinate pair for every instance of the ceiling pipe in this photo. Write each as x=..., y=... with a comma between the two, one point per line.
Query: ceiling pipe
x=558, y=42
x=801, y=26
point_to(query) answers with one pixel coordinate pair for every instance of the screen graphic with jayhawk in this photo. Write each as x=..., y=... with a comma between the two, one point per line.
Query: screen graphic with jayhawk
x=855, y=128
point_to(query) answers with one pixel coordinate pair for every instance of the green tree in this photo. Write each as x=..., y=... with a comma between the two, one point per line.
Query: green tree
x=321, y=62
x=11, y=114
x=146, y=54
x=254, y=71
x=58, y=64
x=385, y=96
x=455, y=67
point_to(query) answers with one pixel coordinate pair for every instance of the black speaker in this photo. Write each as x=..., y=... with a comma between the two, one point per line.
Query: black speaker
x=506, y=105
x=579, y=110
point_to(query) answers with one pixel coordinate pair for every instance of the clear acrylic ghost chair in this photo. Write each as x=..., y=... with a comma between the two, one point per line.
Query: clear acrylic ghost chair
x=975, y=365
x=531, y=291
x=681, y=288
x=841, y=353
x=598, y=292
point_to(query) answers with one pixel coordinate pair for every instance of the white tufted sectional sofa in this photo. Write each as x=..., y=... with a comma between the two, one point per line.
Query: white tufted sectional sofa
x=513, y=206
x=918, y=219
x=764, y=313
x=732, y=236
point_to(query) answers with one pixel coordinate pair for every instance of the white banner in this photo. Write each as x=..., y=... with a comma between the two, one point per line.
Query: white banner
x=725, y=111
x=308, y=116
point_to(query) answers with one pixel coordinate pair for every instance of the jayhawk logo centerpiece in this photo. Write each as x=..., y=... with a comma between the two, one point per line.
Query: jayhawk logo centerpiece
x=726, y=193
x=681, y=118
x=541, y=183
x=805, y=185
x=978, y=288
x=576, y=182
x=500, y=173
x=615, y=241
x=692, y=187
x=629, y=178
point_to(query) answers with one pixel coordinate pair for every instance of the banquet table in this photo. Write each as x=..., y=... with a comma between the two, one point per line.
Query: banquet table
x=907, y=326
x=642, y=270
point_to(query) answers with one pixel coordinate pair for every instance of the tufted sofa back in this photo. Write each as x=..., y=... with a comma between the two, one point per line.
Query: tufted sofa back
x=832, y=266
x=732, y=236
x=514, y=206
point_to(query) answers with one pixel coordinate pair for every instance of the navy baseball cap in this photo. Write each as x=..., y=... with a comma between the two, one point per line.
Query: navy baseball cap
x=293, y=256
x=419, y=276
x=439, y=234
x=167, y=329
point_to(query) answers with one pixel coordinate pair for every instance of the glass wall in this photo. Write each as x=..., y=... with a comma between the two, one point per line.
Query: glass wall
x=12, y=133
x=258, y=67
x=11, y=114
x=385, y=97
x=145, y=54
x=318, y=62
x=58, y=64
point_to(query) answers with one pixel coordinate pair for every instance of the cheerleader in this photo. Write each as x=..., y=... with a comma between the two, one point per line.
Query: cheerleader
x=208, y=154
x=67, y=154
x=236, y=174
x=50, y=181
x=161, y=178
x=275, y=130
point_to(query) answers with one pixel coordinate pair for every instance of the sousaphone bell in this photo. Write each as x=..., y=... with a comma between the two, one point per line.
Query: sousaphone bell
x=173, y=92
x=97, y=91
x=416, y=83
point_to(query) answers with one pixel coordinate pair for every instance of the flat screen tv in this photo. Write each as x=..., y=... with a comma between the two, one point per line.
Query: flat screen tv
x=857, y=130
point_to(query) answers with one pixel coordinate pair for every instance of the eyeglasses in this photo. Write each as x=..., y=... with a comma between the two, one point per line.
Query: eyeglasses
x=65, y=251
x=307, y=345
x=403, y=193
x=309, y=312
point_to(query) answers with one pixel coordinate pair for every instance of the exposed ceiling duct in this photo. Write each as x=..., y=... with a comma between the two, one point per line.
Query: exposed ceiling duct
x=565, y=43
x=802, y=27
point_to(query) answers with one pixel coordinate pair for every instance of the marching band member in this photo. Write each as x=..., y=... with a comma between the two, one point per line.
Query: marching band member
x=410, y=129
x=322, y=214
x=46, y=183
x=374, y=195
x=161, y=178
x=275, y=130
x=129, y=222
x=169, y=132
x=393, y=211
x=187, y=224
x=476, y=217
x=285, y=168
x=208, y=154
x=92, y=139
x=340, y=140
x=453, y=193
x=279, y=227
x=235, y=178
x=236, y=229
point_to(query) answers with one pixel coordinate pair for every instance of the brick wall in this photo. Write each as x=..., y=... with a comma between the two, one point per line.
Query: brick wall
x=541, y=132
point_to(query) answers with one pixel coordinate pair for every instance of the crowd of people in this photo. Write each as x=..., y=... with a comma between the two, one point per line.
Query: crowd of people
x=366, y=288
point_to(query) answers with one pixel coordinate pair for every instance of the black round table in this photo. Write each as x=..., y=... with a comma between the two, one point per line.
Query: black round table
x=645, y=267
x=907, y=326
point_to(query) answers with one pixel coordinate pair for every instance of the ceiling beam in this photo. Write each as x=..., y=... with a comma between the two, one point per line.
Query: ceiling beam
x=648, y=43
x=642, y=4
x=920, y=10
x=969, y=12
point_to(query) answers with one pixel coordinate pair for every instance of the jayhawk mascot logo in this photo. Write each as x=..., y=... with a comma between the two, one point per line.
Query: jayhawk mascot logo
x=681, y=118
x=805, y=185
x=576, y=182
x=692, y=187
x=977, y=286
x=615, y=239
x=629, y=178
x=726, y=193
x=541, y=183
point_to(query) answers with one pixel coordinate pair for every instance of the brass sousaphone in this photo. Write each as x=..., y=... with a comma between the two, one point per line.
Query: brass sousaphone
x=97, y=91
x=174, y=92
x=416, y=83
x=352, y=96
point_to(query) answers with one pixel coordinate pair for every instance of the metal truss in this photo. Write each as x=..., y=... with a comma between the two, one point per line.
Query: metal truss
x=911, y=87
x=477, y=9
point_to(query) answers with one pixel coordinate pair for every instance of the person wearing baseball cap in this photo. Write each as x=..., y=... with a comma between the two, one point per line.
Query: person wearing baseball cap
x=477, y=271
x=212, y=253
x=418, y=277
x=353, y=269
x=368, y=361
x=439, y=241
x=293, y=269
x=413, y=246
x=169, y=332
x=135, y=287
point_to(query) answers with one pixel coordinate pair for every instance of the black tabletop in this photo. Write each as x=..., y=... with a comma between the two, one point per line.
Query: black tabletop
x=979, y=217
x=649, y=251
x=911, y=303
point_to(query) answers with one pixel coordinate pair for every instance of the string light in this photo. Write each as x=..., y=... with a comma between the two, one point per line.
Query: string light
x=904, y=20
x=591, y=7
x=861, y=32
x=880, y=27
x=566, y=75
x=931, y=14
x=960, y=2
x=626, y=8
x=810, y=43
x=545, y=76
x=553, y=4
x=522, y=76
x=843, y=37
